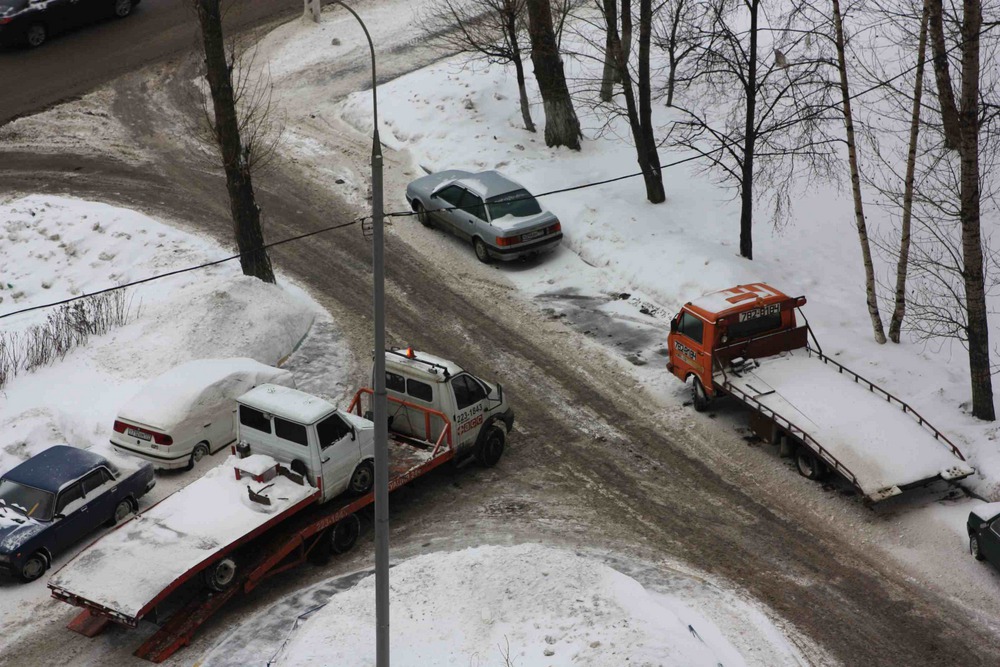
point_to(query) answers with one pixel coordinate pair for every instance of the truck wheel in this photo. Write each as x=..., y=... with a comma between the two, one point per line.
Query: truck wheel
x=699, y=396
x=220, y=575
x=974, y=548
x=362, y=479
x=199, y=452
x=490, y=450
x=344, y=534
x=809, y=465
x=34, y=567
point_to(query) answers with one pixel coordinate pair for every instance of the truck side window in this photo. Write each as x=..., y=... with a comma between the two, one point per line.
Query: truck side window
x=331, y=430
x=467, y=391
x=254, y=419
x=421, y=390
x=691, y=327
x=395, y=382
x=290, y=431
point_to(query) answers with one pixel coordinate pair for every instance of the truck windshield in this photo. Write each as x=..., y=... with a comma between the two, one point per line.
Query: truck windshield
x=26, y=500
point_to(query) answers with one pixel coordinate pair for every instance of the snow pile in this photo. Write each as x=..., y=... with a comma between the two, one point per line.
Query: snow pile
x=535, y=605
x=128, y=567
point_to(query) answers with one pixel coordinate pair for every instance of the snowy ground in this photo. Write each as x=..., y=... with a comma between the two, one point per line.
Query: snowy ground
x=57, y=247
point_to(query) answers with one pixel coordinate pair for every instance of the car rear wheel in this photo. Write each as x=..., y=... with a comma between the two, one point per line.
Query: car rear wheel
x=491, y=448
x=123, y=8
x=362, y=479
x=34, y=567
x=482, y=252
x=199, y=452
x=422, y=215
x=36, y=35
x=220, y=575
x=123, y=510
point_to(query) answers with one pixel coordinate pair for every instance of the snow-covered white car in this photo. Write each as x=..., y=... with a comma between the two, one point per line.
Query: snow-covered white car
x=498, y=216
x=189, y=411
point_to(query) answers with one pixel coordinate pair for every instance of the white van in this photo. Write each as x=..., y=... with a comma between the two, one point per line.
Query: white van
x=477, y=409
x=189, y=411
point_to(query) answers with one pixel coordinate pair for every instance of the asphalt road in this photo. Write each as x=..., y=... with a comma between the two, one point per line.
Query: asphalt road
x=74, y=63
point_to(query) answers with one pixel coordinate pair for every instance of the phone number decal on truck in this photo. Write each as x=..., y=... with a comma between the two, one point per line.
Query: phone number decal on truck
x=761, y=311
x=471, y=424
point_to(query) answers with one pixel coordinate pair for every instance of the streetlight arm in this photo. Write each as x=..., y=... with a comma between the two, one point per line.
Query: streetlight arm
x=371, y=47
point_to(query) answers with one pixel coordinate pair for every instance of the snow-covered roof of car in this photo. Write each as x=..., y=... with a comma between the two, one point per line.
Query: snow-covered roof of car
x=288, y=403
x=172, y=397
x=489, y=184
x=424, y=364
x=51, y=469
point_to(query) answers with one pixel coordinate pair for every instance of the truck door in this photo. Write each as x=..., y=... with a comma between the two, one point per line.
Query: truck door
x=687, y=344
x=470, y=399
x=340, y=452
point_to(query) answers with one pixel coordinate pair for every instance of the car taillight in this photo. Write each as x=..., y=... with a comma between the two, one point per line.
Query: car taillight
x=120, y=426
x=554, y=228
x=5, y=21
x=504, y=241
x=161, y=439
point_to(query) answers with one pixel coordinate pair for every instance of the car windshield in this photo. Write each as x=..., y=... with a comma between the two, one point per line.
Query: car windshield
x=26, y=500
x=519, y=204
x=11, y=6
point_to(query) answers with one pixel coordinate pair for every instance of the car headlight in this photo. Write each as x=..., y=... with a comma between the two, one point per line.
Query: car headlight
x=6, y=558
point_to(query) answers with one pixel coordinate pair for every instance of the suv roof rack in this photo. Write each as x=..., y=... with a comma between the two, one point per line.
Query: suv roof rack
x=410, y=355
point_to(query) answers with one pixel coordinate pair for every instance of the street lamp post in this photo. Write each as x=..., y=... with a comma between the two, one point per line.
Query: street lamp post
x=380, y=407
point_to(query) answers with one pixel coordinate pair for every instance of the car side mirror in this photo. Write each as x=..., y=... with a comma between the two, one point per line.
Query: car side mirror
x=984, y=526
x=59, y=516
x=673, y=325
x=353, y=434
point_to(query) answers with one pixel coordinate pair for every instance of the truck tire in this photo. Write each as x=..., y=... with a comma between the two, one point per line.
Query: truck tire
x=699, y=396
x=489, y=451
x=362, y=479
x=809, y=465
x=221, y=575
x=344, y=534
x=974, y=548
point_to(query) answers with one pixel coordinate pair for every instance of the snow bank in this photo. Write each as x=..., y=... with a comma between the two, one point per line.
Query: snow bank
x=539, y=606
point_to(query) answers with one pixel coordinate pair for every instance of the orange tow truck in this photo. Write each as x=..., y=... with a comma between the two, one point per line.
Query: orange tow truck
x=753, y=343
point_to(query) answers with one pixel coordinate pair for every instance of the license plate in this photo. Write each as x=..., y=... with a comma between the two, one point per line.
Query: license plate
x=532, y=235
x=136, y=433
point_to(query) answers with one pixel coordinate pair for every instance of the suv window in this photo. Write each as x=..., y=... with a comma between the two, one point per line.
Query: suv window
x=452, y=195
x=691, y=327
x=467, y=391
x=420, y=390
x=331, y=430
x=395, y=382
x=69, y=494
x=473, y=204
x=290, y=431
x=254, y=419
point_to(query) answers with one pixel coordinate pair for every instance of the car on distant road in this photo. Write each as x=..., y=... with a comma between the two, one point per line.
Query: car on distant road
x=189, y=412
x=497, y=215
x=32, y=22
x=58, y=497
x=983, y=527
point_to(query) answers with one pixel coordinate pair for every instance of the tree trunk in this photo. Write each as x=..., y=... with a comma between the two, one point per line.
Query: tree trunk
x=652, y=174
x=610, y=76
x=899, y=312
x=522, y=91
x=852, y=156
x=946, y=95
x=562, y=128
x=672, y=52
x=243, y=206
x=749, y=140
x=972, y=246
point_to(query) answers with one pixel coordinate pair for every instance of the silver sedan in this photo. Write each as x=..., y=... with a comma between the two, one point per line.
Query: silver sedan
x=498, y=216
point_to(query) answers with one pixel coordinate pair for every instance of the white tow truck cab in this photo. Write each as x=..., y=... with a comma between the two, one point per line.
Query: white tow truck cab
x=331, y=448
x=479, y=414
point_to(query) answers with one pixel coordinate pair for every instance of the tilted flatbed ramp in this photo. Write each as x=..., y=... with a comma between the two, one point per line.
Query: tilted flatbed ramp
x=881, y=446
x=127, y=572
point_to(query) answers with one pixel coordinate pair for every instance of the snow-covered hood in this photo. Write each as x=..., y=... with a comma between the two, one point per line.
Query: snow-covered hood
x=16, y=529
x=986, y=511
x=509, y=223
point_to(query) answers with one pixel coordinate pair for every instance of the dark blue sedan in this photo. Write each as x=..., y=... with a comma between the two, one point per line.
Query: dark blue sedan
x=56, y=498
x=32, y=22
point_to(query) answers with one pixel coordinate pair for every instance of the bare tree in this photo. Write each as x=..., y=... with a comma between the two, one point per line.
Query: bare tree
x=562, y=128
x=770, y=133
x=237, y=158
x=963, y=124
x=899, y=308
x=672, y=33
x=639, y=111
x=484, y=29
